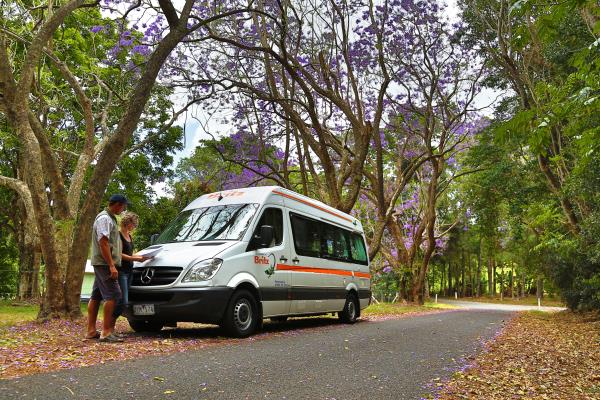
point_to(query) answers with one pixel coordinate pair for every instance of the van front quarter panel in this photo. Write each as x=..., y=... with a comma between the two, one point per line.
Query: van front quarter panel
x=242, y=277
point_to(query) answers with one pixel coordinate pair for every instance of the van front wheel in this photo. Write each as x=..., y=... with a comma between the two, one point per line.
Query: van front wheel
x=241, y=317
x=349, y=314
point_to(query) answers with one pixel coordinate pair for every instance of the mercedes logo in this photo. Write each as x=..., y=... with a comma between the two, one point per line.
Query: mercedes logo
x=147, y=275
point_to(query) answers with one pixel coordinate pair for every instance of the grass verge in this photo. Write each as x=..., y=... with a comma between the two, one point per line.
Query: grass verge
x=389, y=309
x=12, y=313
x=524, y=301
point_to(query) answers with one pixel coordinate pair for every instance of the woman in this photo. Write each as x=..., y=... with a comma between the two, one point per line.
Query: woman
x=128, y=223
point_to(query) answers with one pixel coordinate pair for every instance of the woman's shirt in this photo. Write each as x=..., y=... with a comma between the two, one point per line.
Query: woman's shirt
x=126, y=266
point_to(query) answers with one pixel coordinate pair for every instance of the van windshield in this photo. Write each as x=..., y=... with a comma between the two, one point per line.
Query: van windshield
x=227, y=222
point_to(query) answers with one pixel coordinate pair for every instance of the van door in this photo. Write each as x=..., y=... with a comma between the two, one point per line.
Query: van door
x=274, y=284
x=316, y=283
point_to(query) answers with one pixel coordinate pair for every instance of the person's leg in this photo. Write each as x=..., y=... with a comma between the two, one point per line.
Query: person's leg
x=123, y=285
x=126, y=293
x=108, y=323
x=92, y=312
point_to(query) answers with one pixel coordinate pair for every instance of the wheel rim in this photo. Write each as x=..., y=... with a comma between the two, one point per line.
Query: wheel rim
x=351, y=310
x=242, y=314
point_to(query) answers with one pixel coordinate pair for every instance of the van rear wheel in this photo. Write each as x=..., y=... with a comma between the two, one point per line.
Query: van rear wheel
x=145, y=326
x=241, y=316
x=351, y=310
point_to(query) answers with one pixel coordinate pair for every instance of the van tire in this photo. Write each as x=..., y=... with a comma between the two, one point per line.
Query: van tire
x=241, y=316
x=145, y=326
x=351, y=310
x=279, y=320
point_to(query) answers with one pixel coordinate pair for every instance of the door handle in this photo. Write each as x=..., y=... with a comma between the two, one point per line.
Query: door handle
x=295, y=260
x=283, y=259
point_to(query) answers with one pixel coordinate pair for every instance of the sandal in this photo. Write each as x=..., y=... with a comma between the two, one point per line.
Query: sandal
x=112, y=338
x=95, y=336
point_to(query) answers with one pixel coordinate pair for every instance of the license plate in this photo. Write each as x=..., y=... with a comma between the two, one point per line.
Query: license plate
x=143, y=309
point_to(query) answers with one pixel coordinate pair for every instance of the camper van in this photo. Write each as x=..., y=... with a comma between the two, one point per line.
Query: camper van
x=236, y=257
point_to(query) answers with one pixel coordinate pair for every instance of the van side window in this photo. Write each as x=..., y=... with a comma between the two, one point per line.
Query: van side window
x=307, y=238
x=335, y=243
x=314, y=238
x=274, y=218
x=358, y=249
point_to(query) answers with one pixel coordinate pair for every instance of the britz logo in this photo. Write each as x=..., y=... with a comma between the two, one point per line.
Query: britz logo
x=261, y=260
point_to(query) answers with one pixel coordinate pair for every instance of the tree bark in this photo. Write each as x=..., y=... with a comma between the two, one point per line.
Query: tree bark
x=478, y=277
x=430, y=218
x=29, y=260
x=443, y=279
x=501, y=279
x=512, y=280
x=490, y=271
x=539, y=291
x=464, y=282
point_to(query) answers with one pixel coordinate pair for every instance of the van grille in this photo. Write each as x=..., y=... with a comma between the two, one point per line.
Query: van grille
x=155, y=276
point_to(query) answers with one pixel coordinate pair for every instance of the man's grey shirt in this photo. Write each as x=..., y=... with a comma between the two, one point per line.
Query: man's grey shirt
x=106, y=225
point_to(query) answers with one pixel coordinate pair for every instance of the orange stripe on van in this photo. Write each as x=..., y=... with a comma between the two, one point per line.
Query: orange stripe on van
x=315, y=270
x=308, y=203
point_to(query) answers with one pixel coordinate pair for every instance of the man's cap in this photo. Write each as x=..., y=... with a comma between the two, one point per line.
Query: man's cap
x=118, y=198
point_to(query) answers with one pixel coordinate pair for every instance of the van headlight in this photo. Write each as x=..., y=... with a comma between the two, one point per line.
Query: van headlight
x=203, y=270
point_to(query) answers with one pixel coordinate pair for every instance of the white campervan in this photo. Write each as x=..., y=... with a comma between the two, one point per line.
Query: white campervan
x=235, y=257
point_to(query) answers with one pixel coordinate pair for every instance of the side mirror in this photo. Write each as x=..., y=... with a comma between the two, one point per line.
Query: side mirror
x=154, y=238
x=267, y=232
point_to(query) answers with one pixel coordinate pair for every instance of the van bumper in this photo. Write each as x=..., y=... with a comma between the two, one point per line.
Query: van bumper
x=205, y=305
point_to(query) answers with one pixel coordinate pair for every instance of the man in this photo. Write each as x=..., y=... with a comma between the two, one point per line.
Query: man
x=106, y=258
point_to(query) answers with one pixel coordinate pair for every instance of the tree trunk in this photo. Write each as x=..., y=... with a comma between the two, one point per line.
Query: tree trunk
x=430, y=217
x=29, y=251
x=463, y=291
x=451, y=284
x=471, y=275
x=443, y=279
x=501, y=280
x=540, y=288
x=523, y=280
x=490, y=269
x=28, y=288
x=512, y=280
x=478, y=277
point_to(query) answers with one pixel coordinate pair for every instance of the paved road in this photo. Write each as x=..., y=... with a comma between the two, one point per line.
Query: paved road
x=473, y=305
x=392, y=359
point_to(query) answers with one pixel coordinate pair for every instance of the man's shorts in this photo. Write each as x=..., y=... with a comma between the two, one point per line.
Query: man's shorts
x=105, y=288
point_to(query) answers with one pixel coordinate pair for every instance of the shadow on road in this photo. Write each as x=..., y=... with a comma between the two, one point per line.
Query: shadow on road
x=186, y=330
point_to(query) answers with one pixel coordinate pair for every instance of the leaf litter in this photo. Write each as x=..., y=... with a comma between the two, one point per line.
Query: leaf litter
x=544, y=356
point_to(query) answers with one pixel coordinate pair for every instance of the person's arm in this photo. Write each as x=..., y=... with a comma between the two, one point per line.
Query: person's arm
x=133, y=258
x=106, y=254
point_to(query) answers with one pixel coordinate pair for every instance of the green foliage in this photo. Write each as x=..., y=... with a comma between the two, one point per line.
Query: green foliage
x=553, y=114
x=8, y=266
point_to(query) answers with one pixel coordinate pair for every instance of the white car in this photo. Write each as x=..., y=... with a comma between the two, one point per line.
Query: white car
x=235, y=257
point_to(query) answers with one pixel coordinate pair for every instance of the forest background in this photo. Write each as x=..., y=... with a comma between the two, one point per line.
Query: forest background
x=372, y=107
